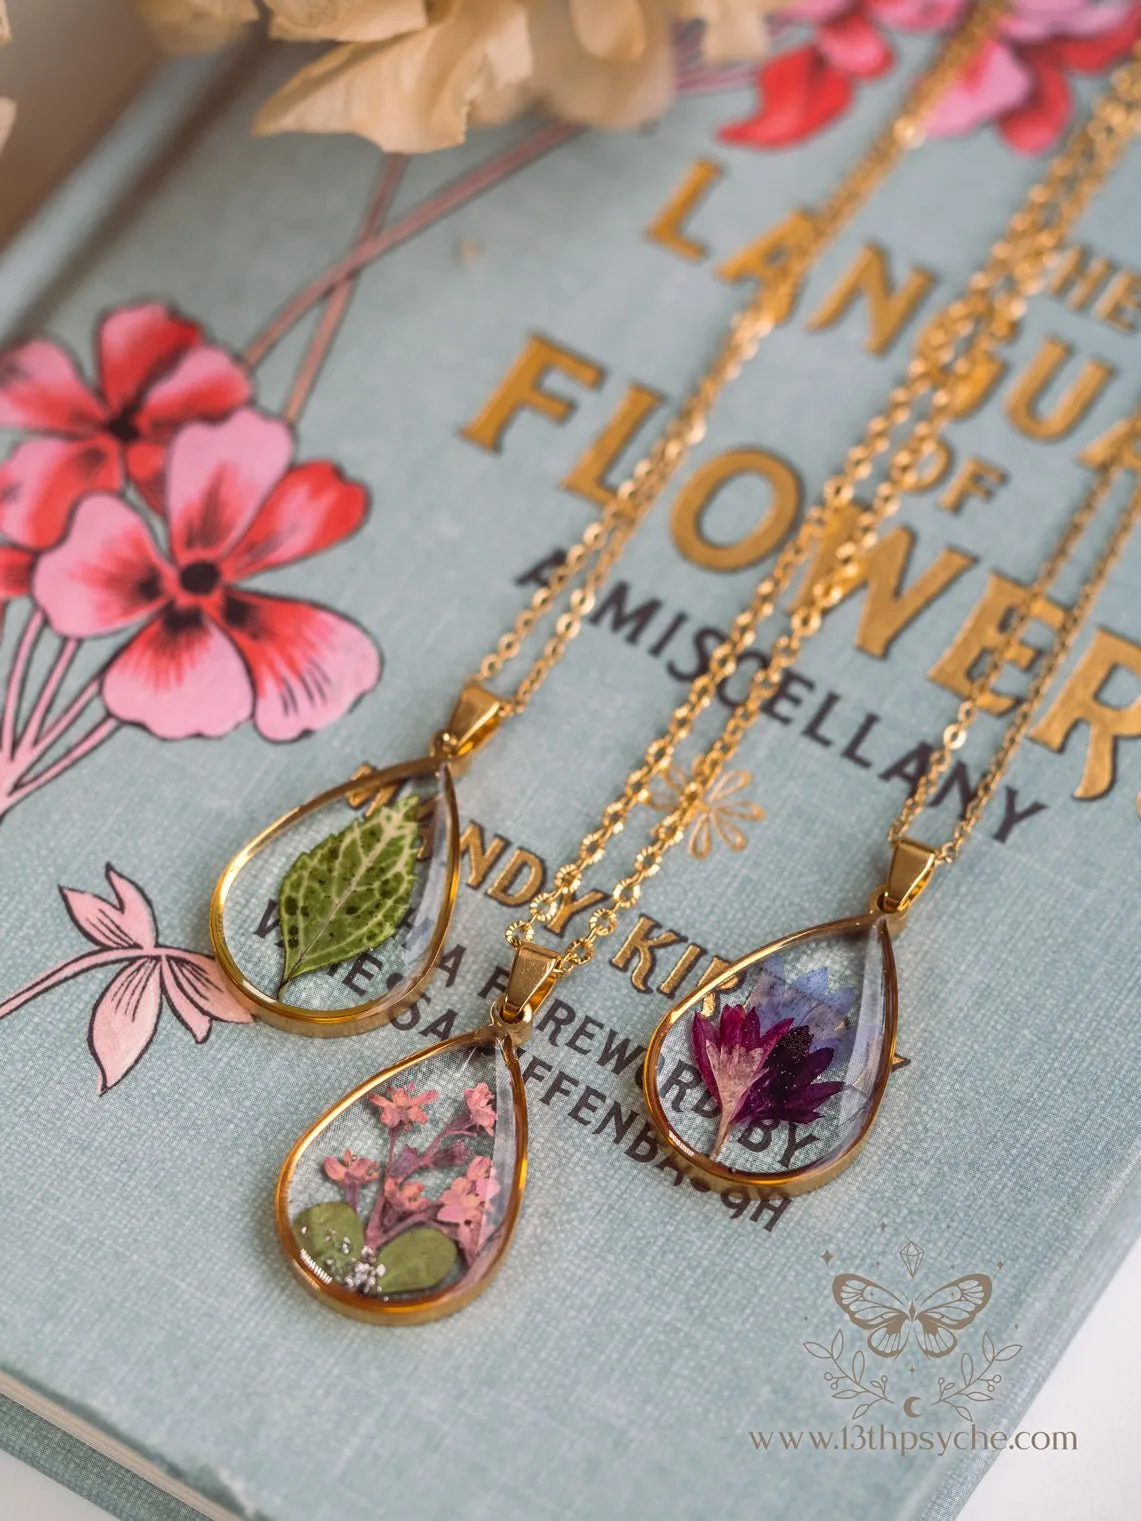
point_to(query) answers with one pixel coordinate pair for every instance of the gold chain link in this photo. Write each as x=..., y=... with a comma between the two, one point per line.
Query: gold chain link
x=954, y=347
x=955, y=734
x=806, y=236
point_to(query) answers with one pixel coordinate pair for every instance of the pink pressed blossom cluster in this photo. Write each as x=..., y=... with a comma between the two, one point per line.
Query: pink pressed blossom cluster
x=401, y=1200
x=1019, y=82
x=139, y=509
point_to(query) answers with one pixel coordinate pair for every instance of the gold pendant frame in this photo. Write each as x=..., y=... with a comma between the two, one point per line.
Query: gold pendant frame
x=373, y=1012
x=440, y=1302
x=811, y=1175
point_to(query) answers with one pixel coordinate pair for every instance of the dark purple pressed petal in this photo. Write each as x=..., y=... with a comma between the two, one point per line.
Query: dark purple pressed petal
x=732, y=1026
x=702, y=1034
x=752, y=1030
x=804, y=1105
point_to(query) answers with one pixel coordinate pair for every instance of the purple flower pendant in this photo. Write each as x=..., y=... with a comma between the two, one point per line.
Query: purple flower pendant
x=770, y=1078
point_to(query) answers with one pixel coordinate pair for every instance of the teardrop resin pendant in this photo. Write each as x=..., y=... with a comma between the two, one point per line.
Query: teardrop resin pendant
x=771, y=1076
x=399, y=1204
x=330, y=921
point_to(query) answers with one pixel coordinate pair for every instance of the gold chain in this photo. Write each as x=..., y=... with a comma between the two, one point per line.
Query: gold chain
x=955, y=734
x=804, y=238
x=954, y=348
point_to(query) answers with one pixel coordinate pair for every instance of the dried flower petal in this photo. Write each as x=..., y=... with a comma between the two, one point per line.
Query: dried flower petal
x=197, y=26
x=414, y=93
x=613, y=29
x=346, y=20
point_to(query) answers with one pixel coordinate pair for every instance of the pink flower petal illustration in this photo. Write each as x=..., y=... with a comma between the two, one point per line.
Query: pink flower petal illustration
x=309, y=665
x=106, y=574
x=206, y=383
x=311, y=508
x=41, y=481
x=218, y=476
x=136, y=346
x=127, y=922
x=16, y=566
x=198, y=994
x=854, y=46
x=41, y=388
x=995, y=83
x=179, y=676
x=123, y=1023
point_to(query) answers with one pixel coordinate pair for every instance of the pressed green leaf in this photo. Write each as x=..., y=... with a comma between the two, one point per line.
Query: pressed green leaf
x=419, y=1259
x=331, y=1234
x=349, y=893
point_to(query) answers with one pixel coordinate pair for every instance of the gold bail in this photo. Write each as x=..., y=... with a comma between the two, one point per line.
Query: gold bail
x=533, y=976
x=912, y=863
x=475, y=718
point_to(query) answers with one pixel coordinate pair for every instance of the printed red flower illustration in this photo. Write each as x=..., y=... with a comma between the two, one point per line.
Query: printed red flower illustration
x=1018, y=83
x=125, y=1017
x=155, y=373
x=207, y=653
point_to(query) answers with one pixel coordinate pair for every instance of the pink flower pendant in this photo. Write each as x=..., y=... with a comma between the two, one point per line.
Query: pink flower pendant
x=770, y=1078
x=399, y=1204
x=332, y=919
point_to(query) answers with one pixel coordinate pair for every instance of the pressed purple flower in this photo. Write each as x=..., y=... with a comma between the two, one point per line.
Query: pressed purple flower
x=731, y=1055
x=787, y=1091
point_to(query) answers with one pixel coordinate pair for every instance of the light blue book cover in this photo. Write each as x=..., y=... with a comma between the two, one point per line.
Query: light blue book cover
x=427, y=421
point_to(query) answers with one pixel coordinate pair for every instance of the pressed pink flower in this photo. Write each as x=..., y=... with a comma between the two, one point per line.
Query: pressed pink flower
x=350, y=1173
x=406, y=1198
x=464, y=1202
x=481, y=1107
x=403, y=1106
x=155, y=373
x=207, y=654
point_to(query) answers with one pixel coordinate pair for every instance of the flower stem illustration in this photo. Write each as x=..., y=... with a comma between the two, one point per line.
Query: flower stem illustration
x=126, y=1014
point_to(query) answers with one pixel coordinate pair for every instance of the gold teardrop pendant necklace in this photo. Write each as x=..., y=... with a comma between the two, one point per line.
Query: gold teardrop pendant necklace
x=362, y=1231
x=791, y=1070
x=373, y=864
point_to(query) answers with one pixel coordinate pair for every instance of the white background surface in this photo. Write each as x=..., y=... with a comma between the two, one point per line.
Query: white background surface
x=1091, y=1392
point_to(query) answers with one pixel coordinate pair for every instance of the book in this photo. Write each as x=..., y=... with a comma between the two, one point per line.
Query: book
x=451, y=361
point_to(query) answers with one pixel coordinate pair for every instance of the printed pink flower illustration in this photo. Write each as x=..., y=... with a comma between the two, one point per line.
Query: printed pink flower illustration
x=350, y=1173
x=155, y=373
x=464, y=1202
x=125, y=1017
x=403, y=1106
x=1019, y=82
x=209, y=654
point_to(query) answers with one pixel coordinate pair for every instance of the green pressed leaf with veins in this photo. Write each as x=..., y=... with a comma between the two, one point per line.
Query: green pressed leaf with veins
x=349, y=893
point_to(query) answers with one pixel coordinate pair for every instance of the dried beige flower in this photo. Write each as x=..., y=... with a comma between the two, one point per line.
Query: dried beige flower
x=197, y=26
x=7, y=107
x=412, y=74
x=415, y=92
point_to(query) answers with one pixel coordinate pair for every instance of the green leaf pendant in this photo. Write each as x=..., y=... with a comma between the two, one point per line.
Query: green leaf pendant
x=330, y=921
x=349, y=893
